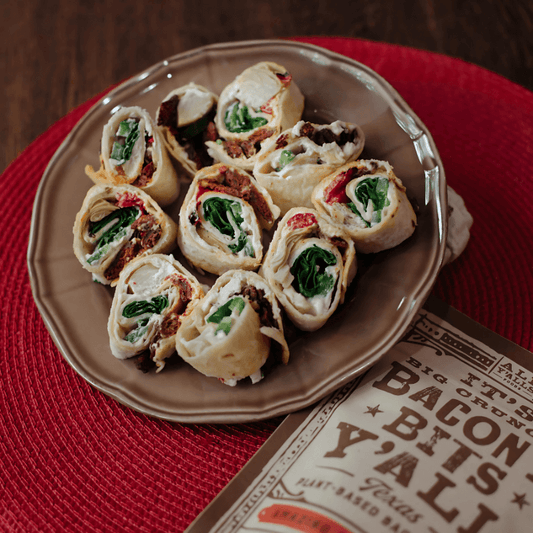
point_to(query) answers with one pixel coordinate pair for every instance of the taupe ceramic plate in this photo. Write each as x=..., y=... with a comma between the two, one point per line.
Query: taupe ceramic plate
x=388, y=290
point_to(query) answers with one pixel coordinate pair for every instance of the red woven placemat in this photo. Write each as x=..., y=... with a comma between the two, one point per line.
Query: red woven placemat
x=73, y=459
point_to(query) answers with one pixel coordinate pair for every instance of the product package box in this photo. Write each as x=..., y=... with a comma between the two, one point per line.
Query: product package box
x=435, y=438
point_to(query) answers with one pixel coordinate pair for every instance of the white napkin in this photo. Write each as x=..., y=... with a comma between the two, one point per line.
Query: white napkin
x=459, y=224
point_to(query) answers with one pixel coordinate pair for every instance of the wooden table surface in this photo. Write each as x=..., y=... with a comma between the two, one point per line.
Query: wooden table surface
x=56, y=54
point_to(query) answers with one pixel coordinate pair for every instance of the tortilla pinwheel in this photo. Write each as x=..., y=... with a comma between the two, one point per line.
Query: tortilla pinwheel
x=259, y=104
x=234, y=330
x=153, y=295
x=294, y=164
x=117, y=224
x=222, y=220
x=185, y=119
x=309, y=266
x=368, y=201
x=133, y=153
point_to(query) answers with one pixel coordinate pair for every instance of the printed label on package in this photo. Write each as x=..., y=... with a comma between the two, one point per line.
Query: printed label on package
x=435, y=438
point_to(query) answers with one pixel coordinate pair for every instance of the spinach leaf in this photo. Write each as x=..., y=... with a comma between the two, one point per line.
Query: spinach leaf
x=372, y=190
x=143, y=307
x=238, y=119
x=140, y=307
x=222, y=316
x=284, y=159
x=135, y=334
x=122, y=152
x=220, y=212
x=310, y=278
x=117, y=153
x=123, y=218
x=126, y=127
x=243, y=242
x=356, y=211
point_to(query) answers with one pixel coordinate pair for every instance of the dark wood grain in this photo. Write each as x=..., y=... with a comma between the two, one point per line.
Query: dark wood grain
x=56, y=54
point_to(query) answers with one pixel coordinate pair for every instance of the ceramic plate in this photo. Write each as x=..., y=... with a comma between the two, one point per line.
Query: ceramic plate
x=387, y=292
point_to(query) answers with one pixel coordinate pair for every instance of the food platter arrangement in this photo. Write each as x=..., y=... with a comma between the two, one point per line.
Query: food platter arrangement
x=232, y=233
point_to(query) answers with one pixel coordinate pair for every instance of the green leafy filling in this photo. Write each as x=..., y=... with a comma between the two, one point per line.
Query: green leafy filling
x=220, y=212
x=123, y=218
x=135, y=334
x=238, y=119
x=371, y=190
x=122, y=152
x=140, y=307
x=143, y=307
x=284, y=159
x=309, y=271
x=222, y=316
